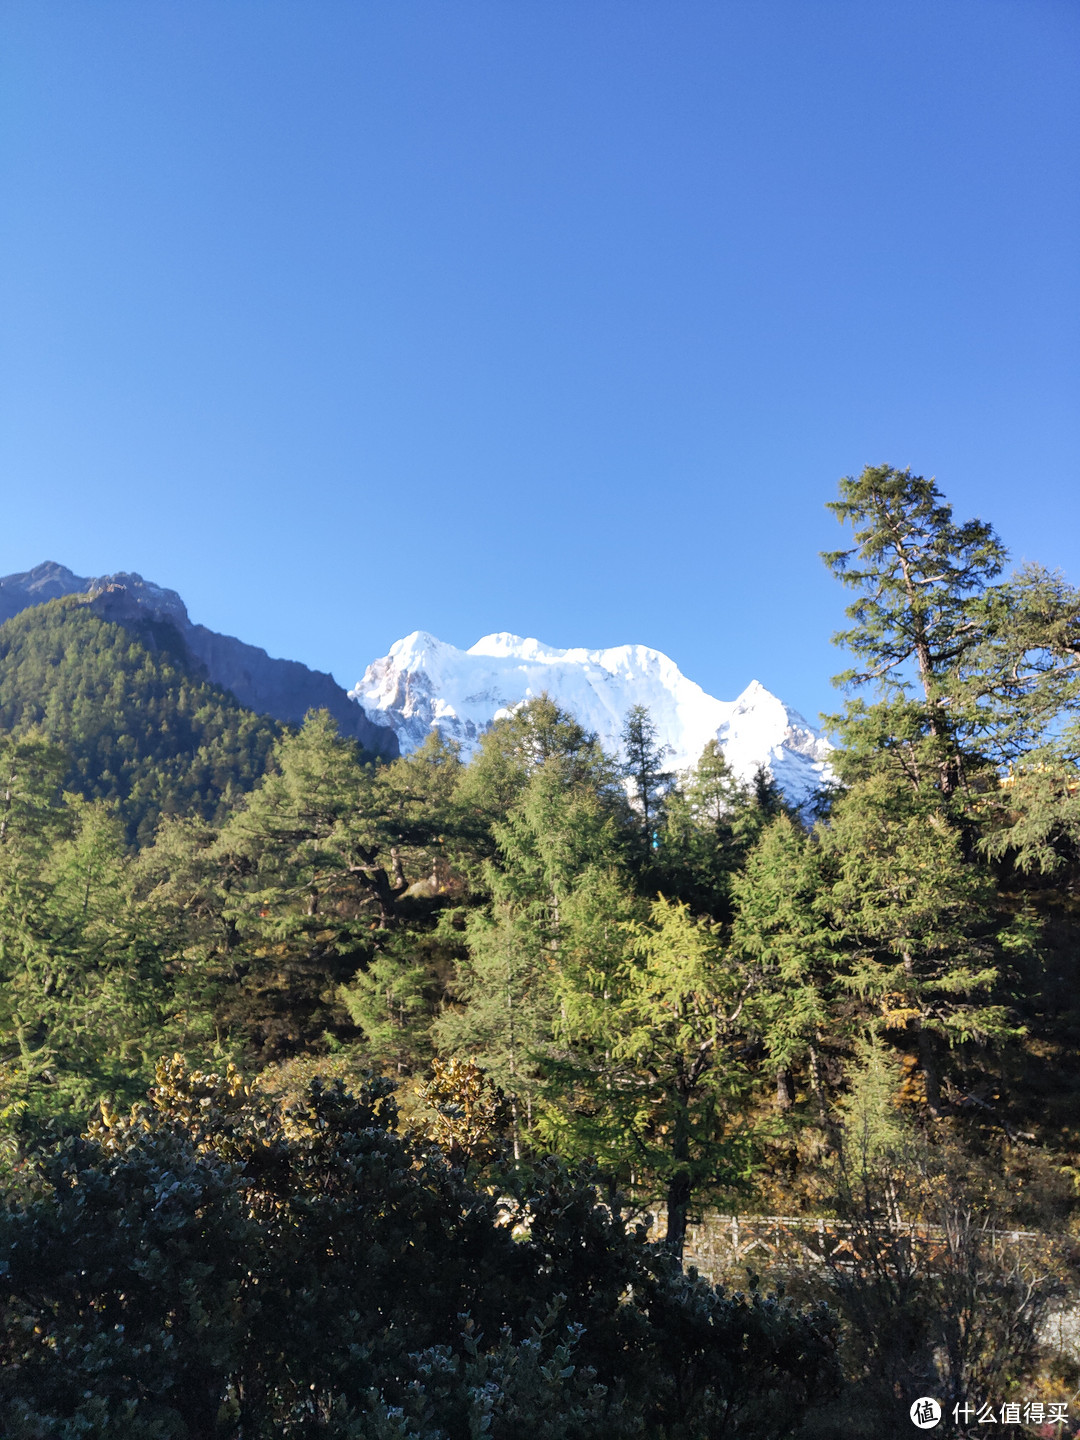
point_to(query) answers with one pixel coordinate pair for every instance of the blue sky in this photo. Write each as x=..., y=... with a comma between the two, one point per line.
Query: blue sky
x=563, y=318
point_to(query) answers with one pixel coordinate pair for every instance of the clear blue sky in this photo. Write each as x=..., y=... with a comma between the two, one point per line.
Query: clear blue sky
x=553, y=316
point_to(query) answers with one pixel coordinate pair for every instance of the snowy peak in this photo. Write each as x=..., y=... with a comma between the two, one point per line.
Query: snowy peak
x=424, y=684
x=763, y=731
x=514, y=646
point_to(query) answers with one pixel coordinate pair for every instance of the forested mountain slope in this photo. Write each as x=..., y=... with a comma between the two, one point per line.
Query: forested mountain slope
x=136, y=726
x=283, y=689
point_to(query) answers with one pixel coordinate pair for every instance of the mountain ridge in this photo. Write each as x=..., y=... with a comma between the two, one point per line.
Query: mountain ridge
x=283, y=689
x=424, y=684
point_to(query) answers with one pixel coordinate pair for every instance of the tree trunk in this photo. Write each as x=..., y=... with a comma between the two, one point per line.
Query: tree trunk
x=678, y=1209
x=928, y=1065
x=679, y=1187
x=378, y=883
x=785, y=1088
x=816, y=1085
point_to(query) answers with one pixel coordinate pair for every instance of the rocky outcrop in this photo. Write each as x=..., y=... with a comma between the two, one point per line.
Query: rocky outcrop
x=36, y=587
x=284, y=689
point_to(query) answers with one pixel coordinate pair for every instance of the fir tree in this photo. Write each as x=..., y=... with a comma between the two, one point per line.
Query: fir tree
x=642, y=766
x=783, y=931
x=918, y=934
x=560, y=831
x=83, y=1001
x=711, y=821
x=969, y=672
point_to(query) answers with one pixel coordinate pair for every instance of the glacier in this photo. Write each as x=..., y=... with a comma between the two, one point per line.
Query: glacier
x=425, y=684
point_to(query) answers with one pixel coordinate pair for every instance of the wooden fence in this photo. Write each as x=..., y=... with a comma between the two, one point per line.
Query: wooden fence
x=720, y=1245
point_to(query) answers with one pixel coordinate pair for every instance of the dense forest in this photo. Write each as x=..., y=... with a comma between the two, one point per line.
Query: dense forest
x=136, y=726
x=337, y=1096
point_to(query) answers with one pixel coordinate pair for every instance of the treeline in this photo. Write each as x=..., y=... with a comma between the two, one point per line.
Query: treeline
x=677, y=980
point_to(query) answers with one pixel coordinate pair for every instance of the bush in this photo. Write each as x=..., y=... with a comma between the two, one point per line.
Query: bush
x=213, y=1267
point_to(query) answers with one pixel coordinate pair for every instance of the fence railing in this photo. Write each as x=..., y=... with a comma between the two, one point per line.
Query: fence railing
x=716, y=1243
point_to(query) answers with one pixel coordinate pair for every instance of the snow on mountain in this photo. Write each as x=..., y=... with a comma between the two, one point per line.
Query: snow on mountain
x=424, y=684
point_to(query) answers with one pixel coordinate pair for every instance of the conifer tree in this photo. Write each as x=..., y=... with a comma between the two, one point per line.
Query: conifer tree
x=537, y=734
x=559, y=832
x=642, y=766
x=650, y=1081
x=711, y=821
x=82, y=992
x=971, y=672
x=782, y=929
x=916, y=925
x=920, y=579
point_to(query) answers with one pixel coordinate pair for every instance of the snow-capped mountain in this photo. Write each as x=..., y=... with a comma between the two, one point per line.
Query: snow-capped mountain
x=425, y=684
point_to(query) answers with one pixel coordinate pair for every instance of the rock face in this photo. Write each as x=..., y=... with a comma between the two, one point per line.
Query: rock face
x=284, y=689
x=423, y=684
x=36, y=587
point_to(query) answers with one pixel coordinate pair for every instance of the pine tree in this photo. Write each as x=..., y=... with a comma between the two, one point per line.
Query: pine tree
x=971, y=672
x=642, y=766
x=311, y=877
x=919, y=934
x=83, y=995
x=560, y=830
x=711, y=821
x=921, y=579
x=649, y=1080
x=781, y=927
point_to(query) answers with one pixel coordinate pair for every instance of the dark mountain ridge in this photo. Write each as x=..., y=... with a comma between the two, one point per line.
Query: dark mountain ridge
x=283, y=689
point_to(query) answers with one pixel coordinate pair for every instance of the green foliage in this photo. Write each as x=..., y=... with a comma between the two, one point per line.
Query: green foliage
x=651, y=1079
x=537, y=736
x=560, y=834
x=712, y=822
x=213, y=1268
x=920, y=579
x=783, y=933
x=969, y=672
x=276, y=913
x=138, y=729
x=877, y=1133
x=1035, y=815
x=695, y=989
x=649, y=782
x=80, y=979
x=393, y=999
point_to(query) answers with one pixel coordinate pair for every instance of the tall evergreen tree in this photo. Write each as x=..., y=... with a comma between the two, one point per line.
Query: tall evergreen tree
x=83, y=993
x=781, y=927
x=559, y=833
x=649, y=1080
x=920, y=579
x=711, y=822
x=920, y=937
x=643, y=767
x=970, y=671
